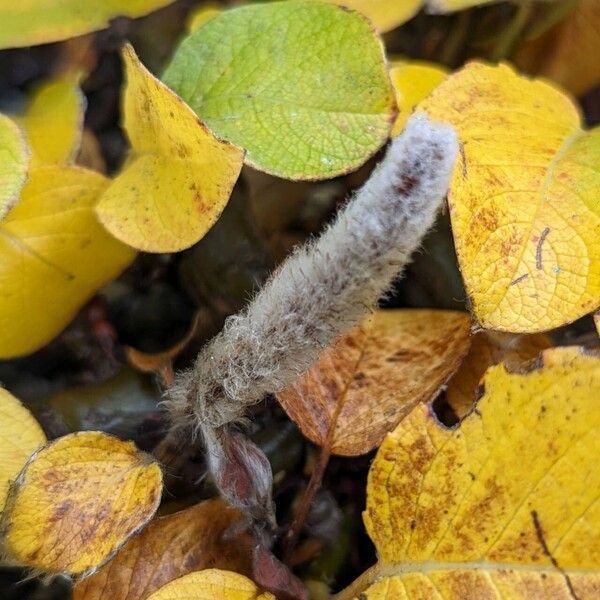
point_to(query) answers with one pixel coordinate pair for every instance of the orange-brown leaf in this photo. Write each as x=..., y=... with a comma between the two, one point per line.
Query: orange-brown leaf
x=363, y=386
x=199, y=537
x=161, y=363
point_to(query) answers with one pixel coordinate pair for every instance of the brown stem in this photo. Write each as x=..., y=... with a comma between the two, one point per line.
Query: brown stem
x=316, y=478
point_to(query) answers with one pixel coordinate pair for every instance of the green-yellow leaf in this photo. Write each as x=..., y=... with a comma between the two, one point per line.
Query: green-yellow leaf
x=14, y=163
x=33, y=22
x=179, y=176
x=524, y=199
x=55, y=255
x=20, y=436
x=53, y=121
x=503, y=506
x=302, y=86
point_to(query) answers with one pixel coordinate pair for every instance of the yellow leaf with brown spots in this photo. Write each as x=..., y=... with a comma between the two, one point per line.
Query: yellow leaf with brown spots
x=413, y=82
x=55, y=255
x=503, y=506
x=179, y=176
x=211, y=584
x=20, y=436
x=490, y=348
x=384, y=14
x=77, y=501
x=524, y=198
x=364, y=385
x=567, y=53
x=53, y=121
x=196, y=538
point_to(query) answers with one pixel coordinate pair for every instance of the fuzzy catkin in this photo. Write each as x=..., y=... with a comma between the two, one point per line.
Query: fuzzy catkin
x=324, y=288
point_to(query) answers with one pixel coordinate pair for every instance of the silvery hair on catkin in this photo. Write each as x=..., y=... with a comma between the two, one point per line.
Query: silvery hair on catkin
x=324, y=288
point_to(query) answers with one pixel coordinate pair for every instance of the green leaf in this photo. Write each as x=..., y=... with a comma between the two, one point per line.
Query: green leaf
x=14, y=163
x=302, y=86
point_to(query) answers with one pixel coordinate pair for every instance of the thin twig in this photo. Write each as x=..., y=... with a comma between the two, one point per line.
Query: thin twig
x=314, y=484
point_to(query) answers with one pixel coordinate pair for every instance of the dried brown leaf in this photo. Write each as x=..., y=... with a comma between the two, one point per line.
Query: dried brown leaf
x=201, y=537
x=362, y=387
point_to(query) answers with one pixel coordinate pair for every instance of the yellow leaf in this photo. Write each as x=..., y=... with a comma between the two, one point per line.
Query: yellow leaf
x=14, y=163
x=31, y=22
x=413, y=82
x=196, y=538
x=490, y=348
x=362, y=387
x=77, y=501
x=523, y=201
x=567, y=53
x=179, y=177
x=53, y=121
x=55, y=255
x=384, y=14
x=20, y=436
x=597, y=321
x=201, y=15
x=211, y=584
x=504, y=506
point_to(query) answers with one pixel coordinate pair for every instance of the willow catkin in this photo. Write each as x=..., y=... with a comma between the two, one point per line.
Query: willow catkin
x=324, y=288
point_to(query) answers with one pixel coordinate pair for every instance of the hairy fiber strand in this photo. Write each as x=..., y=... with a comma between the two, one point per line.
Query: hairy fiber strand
x=325, y=287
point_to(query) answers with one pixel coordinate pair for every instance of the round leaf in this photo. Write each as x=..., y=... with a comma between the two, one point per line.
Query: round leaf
x=20, y=436
x=77, y=501
x=302, y=86
x=524, y=199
